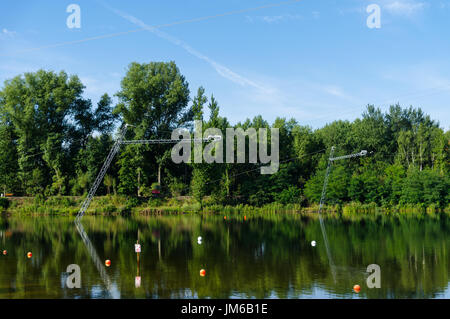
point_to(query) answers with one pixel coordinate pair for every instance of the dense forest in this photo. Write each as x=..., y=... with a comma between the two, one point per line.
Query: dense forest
x=53, y=141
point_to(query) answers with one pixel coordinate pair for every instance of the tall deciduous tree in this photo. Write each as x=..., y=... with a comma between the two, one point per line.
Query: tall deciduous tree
x=8, y=160
x=153, y=98
x=51, y=122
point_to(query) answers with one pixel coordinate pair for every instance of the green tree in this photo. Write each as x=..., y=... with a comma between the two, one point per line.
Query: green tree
x=199, y=185
x=51, y=122
x=426, y=186
x=154, y=99
x=8, y=160
x=109, y=182
x=393, y=183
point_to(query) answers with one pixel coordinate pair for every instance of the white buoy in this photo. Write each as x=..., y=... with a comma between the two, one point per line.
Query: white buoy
x=199, y=238
x=313, y=243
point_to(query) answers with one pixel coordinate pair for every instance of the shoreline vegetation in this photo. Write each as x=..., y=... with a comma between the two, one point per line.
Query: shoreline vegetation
x=54, y=142
x=115, y=205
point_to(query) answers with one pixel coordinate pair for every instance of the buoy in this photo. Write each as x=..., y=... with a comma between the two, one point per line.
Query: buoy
x=29, y=255
x=357, y=288
x=245, y=217
x=203, y=272
x=108, y=263
x=224, y=217
x=5, y=252
x=313, y=243
x=199, y=238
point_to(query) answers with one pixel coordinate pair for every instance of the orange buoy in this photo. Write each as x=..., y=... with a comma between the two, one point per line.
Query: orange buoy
x=245, y=217
x=108, y=263
x=203, y=272
x=5, y=252
x=357, y=288
x=224, y=217
x=29, y=255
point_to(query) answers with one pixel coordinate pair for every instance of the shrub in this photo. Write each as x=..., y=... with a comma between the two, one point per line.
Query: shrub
x=291, y=195
x=154, y=202
x=4, y=203
x=177, y=187
x=132, y=202
x=39, y=199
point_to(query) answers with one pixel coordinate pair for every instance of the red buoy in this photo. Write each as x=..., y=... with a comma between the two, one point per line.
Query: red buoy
x=29, y=255
x=203, y=272
x=108, y=263
x=5, y=252
x=357, y=288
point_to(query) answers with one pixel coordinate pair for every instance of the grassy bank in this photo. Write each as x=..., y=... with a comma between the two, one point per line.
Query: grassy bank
x=120, y=205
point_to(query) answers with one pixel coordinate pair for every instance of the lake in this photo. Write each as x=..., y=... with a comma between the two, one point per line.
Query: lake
x=256, y=256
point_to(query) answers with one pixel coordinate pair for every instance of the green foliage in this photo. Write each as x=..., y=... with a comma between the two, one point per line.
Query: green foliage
x=53, y=142
x=132, y=202
x=8, y=160
x=4, y=203
x=291, y=195
x=199, y=187
x=109, y=183
x=39, y=199
x=313, y=187
x=80, y=184
x=49, y=120
x=153, y=98
x=427, y=187
x=156, y=186
x=393, y=183
x=155, y=202
x=176, y=187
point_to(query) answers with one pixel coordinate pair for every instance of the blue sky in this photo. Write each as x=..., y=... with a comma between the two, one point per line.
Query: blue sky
x=314, y=60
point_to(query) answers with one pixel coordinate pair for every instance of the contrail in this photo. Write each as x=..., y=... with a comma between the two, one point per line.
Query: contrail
x=220, y=69
x=111, y=35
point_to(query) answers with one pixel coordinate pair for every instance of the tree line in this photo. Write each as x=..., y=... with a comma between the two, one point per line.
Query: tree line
x=53, y=141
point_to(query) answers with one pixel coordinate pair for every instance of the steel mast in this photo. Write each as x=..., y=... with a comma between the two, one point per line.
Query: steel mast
x=116, y=148
x=322, y=202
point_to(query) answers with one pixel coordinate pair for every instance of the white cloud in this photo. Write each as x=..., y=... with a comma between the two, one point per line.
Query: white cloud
x=271, y=19
x=8, y=33
x=220, y=69
x=274, y=19
x=336, y=91
x=404, y=7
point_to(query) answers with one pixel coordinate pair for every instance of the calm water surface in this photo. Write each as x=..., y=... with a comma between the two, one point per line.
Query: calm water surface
x=264, y=256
